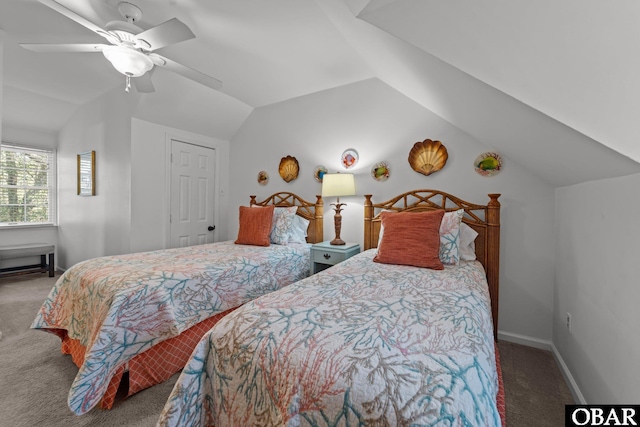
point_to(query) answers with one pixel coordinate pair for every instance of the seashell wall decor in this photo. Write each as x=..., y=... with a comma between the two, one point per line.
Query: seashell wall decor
x=289, y=168
x=428, y=156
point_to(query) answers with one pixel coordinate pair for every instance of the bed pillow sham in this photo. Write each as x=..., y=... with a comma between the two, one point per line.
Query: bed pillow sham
x=450, y=237
x=449, y=250
x=255, y=226
x=411, y=238
x=282, y=223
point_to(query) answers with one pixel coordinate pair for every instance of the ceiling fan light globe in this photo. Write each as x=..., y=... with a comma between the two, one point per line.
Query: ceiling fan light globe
x=128, y=61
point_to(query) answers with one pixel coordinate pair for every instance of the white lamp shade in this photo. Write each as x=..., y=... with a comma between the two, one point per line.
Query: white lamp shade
x=338, y=184
x=128, y=61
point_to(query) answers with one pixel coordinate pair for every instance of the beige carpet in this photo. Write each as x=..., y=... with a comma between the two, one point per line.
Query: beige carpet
x=35, y=377
x=535, y=390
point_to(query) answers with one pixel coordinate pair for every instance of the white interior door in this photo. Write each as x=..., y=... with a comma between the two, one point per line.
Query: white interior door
x=192, y=194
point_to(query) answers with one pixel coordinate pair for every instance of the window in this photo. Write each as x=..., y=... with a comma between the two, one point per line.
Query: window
x=27, y=186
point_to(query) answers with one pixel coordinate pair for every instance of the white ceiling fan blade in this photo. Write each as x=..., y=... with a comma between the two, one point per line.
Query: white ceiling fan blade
x=61, y=48
x=169, y=32
x=77, y=18
x=143, y=83
x=189, y=73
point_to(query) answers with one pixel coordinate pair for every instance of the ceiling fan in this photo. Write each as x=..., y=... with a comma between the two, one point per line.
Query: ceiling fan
x=131, y=49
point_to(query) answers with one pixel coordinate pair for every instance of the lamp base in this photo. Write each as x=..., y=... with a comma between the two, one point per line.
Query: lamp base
x=337, y=221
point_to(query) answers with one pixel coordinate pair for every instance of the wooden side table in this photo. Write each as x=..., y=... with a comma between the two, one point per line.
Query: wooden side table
x=324, y=255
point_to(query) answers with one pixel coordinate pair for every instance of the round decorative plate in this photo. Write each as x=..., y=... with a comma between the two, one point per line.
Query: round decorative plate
x=319, y=172
x=263, y=178
x=349, y=158
x=380, y=171
x=488, y=164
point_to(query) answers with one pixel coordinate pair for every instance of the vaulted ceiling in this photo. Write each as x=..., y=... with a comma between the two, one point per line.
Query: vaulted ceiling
x=577, y=61
x=558, y=79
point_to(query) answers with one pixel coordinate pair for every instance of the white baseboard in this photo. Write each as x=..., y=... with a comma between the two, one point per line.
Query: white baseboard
x=525, y=340
x=549, y=346
x=571, y=382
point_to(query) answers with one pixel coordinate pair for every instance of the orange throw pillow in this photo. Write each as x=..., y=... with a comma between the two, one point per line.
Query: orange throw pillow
x=411, y=238
x=255, y=226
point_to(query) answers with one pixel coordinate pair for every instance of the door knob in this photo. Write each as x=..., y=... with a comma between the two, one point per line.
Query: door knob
x=211, y=227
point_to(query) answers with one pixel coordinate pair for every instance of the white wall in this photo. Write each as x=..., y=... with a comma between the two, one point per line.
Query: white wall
x=29, y=137
x=1, y=77
x=41, y=234
x=98, y=225
x=16, y=236
x=382, y=124
x=597, y=237
x=150, y=186
x=130, y=210
x=518, y=131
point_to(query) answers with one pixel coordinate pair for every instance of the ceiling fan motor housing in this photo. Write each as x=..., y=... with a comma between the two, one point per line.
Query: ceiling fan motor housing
x=129, y=11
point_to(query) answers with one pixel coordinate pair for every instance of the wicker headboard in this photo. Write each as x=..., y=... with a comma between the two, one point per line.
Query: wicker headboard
x=310, y=211
x=485, y=219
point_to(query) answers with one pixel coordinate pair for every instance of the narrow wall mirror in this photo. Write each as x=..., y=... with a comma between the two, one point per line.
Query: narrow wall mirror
x=87, y=173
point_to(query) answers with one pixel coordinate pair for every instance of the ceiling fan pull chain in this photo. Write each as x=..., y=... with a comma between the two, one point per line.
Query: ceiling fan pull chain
x=127, y=87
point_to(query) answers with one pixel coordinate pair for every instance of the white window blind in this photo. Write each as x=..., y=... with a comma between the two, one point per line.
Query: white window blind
x=27, y=185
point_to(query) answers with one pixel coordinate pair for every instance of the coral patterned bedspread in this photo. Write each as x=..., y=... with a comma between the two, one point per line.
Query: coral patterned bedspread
x=120, y=306
x=361, y=343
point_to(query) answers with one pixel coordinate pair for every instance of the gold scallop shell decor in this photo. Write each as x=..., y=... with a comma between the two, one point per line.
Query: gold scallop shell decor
x=428, y=156
x=289, y=168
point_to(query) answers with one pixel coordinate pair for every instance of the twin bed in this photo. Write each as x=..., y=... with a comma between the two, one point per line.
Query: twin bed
x=370, y=341
x=143, y=313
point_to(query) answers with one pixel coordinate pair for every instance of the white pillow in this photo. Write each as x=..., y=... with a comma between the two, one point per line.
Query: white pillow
x=298, y=230
x=467, y=242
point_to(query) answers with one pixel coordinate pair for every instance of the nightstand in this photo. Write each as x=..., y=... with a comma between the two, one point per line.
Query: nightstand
x=324, y=255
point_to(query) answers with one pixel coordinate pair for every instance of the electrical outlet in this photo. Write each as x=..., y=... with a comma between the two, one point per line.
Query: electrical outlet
x=569, y=322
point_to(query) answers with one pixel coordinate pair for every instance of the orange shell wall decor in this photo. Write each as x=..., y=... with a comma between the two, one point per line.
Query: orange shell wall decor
x=428, y=156
x=289, y=168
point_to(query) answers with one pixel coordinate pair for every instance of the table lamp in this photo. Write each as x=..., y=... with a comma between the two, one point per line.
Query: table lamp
x=336, y=185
